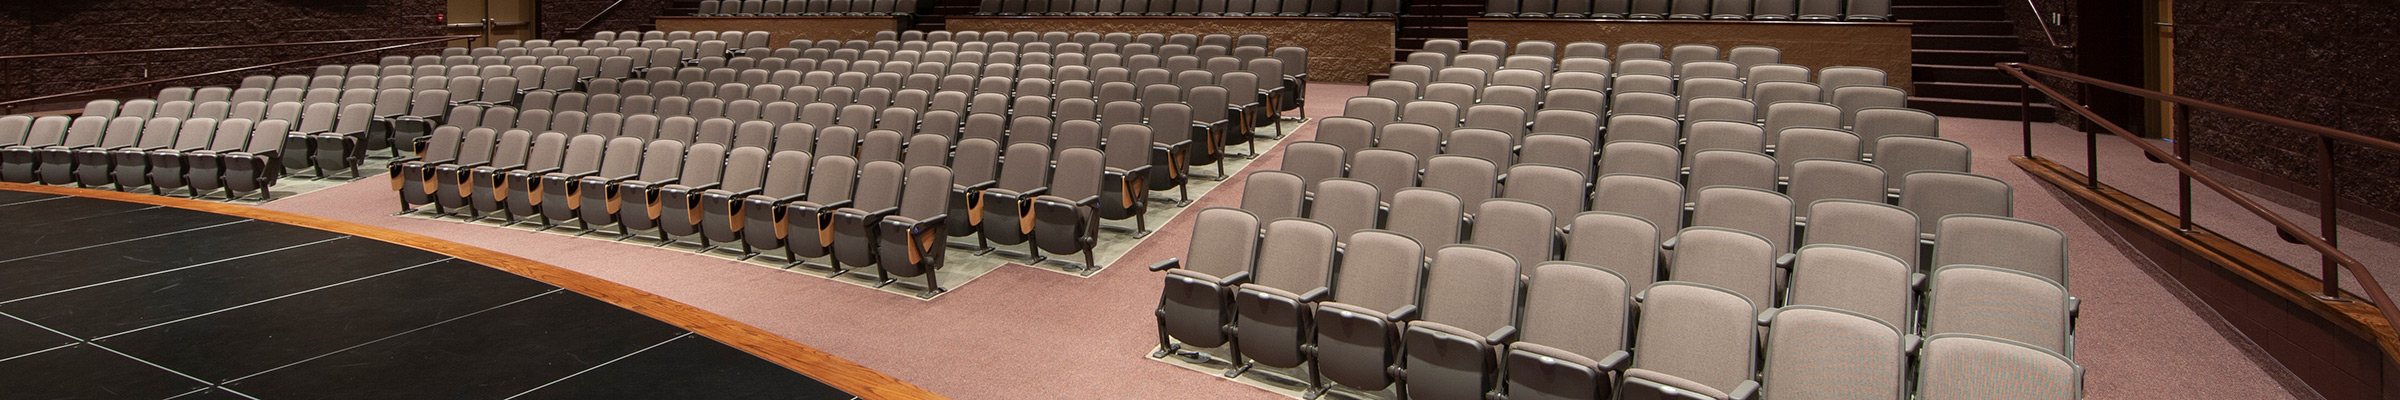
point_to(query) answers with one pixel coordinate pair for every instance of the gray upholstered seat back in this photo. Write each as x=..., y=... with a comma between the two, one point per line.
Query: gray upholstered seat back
x=1813, y=351
x=2010, y=243
x=1577, y=307
x=1471, y=287
x=1622, y=243
x=1296, y=256
x=1696, y=332
x=787, y=174
x=1224, y=242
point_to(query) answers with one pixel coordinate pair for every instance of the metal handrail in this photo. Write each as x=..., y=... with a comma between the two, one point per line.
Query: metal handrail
x=2045, y=23
x=223, y=47
x=2327, y=202
x=12, y=104
x=587, y=24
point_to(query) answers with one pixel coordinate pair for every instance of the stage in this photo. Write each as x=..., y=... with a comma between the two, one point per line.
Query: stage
x=114, y=295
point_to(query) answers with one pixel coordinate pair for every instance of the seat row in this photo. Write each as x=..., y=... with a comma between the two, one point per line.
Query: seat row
x=1763, y=10
x=1744, y=55
x=1049, y=201
x=1781, y=214
x=794, y=8
x=165, y=153
x=1466, y=322
x=1193, y=8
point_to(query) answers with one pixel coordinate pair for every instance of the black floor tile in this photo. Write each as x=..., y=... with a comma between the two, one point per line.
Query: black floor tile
x=486, y=356
x=131, y=304
x=67, y=209
x=12, y=197
x=212, y=394
x=86, y=372
x=71, y=269
x=693, y=367
x=53, y=235
x=253, y=339
x=18, y=338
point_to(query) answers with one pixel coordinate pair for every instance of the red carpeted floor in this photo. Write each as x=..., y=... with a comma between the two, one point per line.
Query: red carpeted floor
x=1020, y=333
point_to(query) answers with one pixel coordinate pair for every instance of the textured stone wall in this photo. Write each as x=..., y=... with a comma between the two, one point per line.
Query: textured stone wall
x=557, y=16
x=37, y=26
x=2328, y=62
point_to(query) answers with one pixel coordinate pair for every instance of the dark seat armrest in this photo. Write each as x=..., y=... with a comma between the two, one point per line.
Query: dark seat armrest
x=1169, y=263
x=1406, y=313
x=1615, y=361
x=922, y=224
x=1316, y=295
x=978, y=187
x=1236, y=279
x=864, y=214
x=729, y=196
x=532, y=173
x=1746, y=391
x=1507, y=333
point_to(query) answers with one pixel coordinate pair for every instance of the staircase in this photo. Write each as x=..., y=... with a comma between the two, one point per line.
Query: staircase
x=1424, y=20
x=1955, y=43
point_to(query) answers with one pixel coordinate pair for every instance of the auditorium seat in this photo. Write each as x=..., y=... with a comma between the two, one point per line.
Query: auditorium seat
x=808, y=223
x=1693, y=338
x=909, y=241
x=1294, y=272
x=1467, y=319
x=1007, y=207
x=1376, y=292
x=1196, y=307
x=758, y=217
x=1574, y=333
x=1065, y=218
x=853, y=228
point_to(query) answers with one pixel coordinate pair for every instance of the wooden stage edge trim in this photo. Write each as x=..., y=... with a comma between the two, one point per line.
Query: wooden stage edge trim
x=833, y=370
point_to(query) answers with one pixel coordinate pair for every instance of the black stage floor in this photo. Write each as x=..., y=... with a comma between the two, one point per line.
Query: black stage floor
x=109, y=299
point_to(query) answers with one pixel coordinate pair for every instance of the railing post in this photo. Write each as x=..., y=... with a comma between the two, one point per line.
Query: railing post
x=2025, y=115
x=2328, y=209
x=2183, y=152
x=2091, y=141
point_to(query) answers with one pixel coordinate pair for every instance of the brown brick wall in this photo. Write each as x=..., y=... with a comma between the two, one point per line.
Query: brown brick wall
x=39, y=26
x=2329, y=63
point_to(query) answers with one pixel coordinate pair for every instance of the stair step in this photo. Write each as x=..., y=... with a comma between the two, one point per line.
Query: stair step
x=1944, y=2
x=1966, y=13
x=1960, y=73
x=1970, y=91
x=1965, y=57
x=1964, y=42
x=2042, y=112
x=1939, y=27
